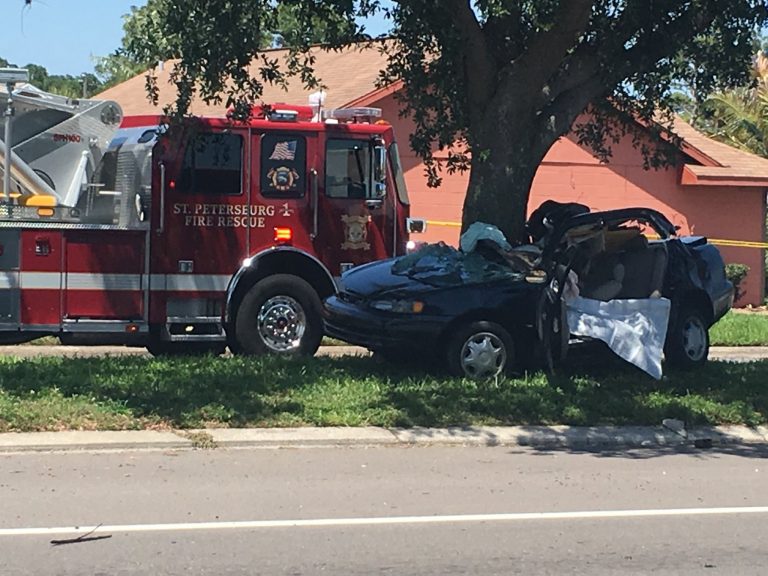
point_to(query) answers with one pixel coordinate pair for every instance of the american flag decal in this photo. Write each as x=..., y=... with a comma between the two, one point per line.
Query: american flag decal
x=284, y=151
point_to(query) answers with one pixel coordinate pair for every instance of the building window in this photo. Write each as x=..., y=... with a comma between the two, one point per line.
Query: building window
x=347, y=169
x=213, y=164
x=283, y=165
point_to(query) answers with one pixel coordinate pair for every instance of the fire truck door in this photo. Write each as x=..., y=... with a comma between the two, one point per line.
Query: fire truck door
x=199, y=225
x=354, y=217
x=9, y=279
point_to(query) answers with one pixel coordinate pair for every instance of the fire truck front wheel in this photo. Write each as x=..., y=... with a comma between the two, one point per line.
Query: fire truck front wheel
x=280, y=314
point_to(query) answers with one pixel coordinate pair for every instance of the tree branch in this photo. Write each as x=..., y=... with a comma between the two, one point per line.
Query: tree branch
x=479, y=64
x=549, y=47
x=579, y=67
x=557, y=118
x=582, y=79
x=653, y=46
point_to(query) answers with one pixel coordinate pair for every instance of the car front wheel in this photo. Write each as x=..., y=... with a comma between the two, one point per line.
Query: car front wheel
x=480, y=351
x=688, y=340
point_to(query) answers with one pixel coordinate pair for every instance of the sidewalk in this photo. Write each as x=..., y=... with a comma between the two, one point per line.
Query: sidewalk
x=673, y=435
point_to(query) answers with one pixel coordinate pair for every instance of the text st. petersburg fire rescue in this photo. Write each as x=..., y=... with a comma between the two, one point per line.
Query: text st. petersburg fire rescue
x=192, y=237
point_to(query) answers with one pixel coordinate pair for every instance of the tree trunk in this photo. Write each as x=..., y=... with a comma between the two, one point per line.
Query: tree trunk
x=504, y=162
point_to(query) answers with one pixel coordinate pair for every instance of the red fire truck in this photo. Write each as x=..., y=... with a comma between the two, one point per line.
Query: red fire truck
x=188, y=238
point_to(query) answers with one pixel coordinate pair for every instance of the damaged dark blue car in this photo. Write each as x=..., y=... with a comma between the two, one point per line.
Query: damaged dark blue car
x=622, y=276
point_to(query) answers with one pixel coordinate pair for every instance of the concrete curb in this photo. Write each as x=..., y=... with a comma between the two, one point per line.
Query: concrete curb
x=541, y=437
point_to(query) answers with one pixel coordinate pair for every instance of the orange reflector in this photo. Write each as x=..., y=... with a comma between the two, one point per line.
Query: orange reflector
x=131, y=328
x=283, y=234
x=39, y=200
x=45, y=212
x=418, y=307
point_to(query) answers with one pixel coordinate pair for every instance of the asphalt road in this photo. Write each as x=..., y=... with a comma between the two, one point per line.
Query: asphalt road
x=428, y=511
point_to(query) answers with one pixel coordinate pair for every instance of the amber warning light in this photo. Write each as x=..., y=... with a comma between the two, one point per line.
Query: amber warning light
x=283, y=235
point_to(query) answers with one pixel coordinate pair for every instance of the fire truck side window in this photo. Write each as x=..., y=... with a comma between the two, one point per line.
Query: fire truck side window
x=213, y=164
x=283, y=165
x=347, y=169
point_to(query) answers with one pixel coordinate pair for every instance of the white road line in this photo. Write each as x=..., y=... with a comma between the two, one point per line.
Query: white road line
x=450, y=519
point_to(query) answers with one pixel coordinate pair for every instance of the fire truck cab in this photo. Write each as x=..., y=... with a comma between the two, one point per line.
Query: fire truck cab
x=194, y=236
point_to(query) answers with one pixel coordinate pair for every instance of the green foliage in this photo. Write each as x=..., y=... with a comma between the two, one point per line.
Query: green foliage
x=739, y=115
x=134, y=392
x=736, y=274
x=740, y=329
x=116, y=68
x=219, y=44
x=83, y=86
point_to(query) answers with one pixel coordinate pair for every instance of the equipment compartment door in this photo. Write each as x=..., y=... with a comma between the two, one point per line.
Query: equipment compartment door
x=9, y=279
x=103, y=275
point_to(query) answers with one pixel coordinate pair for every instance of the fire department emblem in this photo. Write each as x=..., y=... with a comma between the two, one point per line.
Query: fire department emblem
x=282, y=178
x=355, y=232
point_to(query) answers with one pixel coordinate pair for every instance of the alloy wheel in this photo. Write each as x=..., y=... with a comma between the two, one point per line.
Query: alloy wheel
x=282, y=323
x=483, y=355
x=694, y=338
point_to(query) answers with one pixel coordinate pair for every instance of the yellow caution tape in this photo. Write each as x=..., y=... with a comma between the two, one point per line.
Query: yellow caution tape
x=738, y=243
x=443, y=223
x=716, y=241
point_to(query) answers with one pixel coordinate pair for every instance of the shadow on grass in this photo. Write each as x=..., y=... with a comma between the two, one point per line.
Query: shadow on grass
x=356, y=391
x=593, y=390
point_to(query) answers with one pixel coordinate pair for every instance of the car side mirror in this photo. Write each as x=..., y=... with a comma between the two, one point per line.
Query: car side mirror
x=379, y=171
x=416, y=225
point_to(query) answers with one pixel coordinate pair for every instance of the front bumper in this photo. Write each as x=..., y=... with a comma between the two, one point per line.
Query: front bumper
x=722, y=302
x=359, y=325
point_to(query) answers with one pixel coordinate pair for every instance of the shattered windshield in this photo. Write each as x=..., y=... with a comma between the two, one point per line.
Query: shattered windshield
x=485, y=256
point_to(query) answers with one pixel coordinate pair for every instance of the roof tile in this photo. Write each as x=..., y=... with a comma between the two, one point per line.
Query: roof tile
x=348, y=74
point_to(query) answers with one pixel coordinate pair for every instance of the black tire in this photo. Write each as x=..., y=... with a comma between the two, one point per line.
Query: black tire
x=280, y=314
x=687, y=344
x=480, y=351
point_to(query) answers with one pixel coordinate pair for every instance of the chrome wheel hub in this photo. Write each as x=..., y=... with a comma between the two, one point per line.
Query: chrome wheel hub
x=282, y=323
x=694, y=339
x=483, y=356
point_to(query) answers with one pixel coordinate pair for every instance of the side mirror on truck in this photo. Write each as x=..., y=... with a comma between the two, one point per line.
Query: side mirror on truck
x=379, y=176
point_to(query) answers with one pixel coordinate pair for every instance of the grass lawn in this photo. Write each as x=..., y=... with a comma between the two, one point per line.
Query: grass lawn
x=135, y=392
x=740, y=329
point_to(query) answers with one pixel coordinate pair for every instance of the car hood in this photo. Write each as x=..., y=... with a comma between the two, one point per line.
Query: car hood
x=383, y=279
x=377, y=279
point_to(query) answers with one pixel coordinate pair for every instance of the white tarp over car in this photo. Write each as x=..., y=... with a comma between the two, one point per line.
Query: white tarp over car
x=633, y=329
